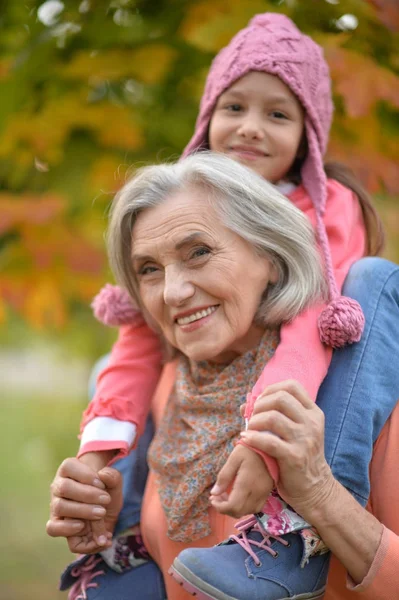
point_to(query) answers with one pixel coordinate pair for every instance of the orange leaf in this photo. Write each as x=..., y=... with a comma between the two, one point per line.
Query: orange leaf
x=44, y=306
x=387, y=12
x=361, y=81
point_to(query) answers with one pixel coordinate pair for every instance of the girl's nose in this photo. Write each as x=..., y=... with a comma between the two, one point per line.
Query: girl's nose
x=177, y=288
x=251, y=128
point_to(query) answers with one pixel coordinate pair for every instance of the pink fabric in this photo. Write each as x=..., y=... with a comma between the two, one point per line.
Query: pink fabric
x=125, y=387
x=130, y=379
x=97, y=446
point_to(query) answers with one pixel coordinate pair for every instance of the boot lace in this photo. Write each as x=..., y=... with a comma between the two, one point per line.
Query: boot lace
x=85, y=574
x=254, y=523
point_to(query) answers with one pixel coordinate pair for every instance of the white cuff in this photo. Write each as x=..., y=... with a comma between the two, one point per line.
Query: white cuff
x=107, y=429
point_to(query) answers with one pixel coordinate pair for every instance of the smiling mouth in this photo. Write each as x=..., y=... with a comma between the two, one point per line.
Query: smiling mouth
x=197, y=315
x=249, y=152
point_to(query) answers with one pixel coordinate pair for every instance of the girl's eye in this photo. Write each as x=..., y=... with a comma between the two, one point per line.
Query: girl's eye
x=233, y=107
x=277, y=114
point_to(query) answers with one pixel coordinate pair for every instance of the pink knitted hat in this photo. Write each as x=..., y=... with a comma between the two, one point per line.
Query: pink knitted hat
x=273, y=44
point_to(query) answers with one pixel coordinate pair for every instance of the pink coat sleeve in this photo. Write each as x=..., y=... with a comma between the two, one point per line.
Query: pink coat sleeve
x=300, y=354
x=126, y=386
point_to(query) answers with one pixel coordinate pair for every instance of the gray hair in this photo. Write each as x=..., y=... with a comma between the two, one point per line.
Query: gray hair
x=248, y=205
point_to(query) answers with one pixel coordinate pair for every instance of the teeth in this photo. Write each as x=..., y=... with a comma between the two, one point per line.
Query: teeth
x=195, y=316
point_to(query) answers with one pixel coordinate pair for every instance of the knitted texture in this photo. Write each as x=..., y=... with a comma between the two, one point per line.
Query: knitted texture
x=113, y=307
x=273, y=44
x=342, y=322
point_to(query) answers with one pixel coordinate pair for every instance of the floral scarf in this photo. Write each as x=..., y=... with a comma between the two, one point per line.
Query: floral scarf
x=198, y=431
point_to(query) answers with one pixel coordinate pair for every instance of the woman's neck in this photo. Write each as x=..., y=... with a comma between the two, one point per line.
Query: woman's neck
x=248, y=342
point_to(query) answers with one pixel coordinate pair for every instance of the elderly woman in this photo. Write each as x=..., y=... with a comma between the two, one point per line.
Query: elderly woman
x=217, y=259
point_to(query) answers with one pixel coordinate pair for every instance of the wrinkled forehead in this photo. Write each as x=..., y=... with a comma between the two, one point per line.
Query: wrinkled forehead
x=182, y=218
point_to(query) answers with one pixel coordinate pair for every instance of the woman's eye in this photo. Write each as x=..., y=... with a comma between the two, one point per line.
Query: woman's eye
x=199, y=252
x=147, y=270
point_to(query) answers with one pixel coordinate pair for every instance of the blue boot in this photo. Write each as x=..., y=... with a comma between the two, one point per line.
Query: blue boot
x=90, y=578
x=254, y=566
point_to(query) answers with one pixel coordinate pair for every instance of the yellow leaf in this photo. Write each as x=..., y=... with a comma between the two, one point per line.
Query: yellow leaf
x=152, y=63
x=107, y=175
x=2, y=311
x=149, y=64
x=45, y=132
x=209, y=25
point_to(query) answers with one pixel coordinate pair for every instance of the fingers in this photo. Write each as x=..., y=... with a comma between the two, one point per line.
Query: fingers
x=99, y=532
x=252, y=484
x=62, y=508
x=280, y=402
x=110, y=477
x=226, y=475
x=64, y=527
x=63, y=487
x=86, y=544
x=289, y=393
x=244, y=498
x=80, y=534
x=276, y=423
x=233, y=505
x=74, y=469
x=269, y=443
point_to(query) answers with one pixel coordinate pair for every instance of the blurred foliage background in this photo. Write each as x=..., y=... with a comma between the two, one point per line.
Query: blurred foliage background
x=89, y=89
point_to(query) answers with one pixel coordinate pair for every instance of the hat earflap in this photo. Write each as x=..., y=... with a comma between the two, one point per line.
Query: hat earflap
x=113, y=307
x=342, y=321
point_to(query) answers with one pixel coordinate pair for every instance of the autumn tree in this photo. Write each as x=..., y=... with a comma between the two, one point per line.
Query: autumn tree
x=91, y=88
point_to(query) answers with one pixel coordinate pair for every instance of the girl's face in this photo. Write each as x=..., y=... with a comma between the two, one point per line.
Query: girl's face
x=259, y=122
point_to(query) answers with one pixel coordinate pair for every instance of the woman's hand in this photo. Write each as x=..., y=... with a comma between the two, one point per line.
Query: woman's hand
x=287, y=425
x=85, y=505
x=251, y=483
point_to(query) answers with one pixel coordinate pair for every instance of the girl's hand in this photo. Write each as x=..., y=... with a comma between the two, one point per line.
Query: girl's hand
x=84, y=505
x=287, y=425
x=250, y=480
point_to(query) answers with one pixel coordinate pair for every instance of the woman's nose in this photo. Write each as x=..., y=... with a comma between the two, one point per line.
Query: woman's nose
x=178, y=288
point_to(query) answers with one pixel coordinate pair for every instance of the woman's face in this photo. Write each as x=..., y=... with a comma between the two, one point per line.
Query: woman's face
x=259, y=122
x=200, y=282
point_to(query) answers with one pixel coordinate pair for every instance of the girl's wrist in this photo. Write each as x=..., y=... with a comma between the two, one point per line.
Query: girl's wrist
x=97, y=460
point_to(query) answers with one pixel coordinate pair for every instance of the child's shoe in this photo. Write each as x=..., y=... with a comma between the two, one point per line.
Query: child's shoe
x=127, y=552
x=90, y=578
x=256, y=566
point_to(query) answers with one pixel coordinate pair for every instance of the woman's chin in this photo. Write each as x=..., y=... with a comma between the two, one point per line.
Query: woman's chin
x=211, y=354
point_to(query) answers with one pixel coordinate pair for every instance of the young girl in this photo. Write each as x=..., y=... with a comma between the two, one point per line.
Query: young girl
x=267, y=103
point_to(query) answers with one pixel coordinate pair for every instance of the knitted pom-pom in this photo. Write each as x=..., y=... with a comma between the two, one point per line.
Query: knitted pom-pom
x=341, y=322
x=113, y=307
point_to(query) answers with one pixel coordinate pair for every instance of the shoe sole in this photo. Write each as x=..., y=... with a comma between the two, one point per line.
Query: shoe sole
x=204, y=591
